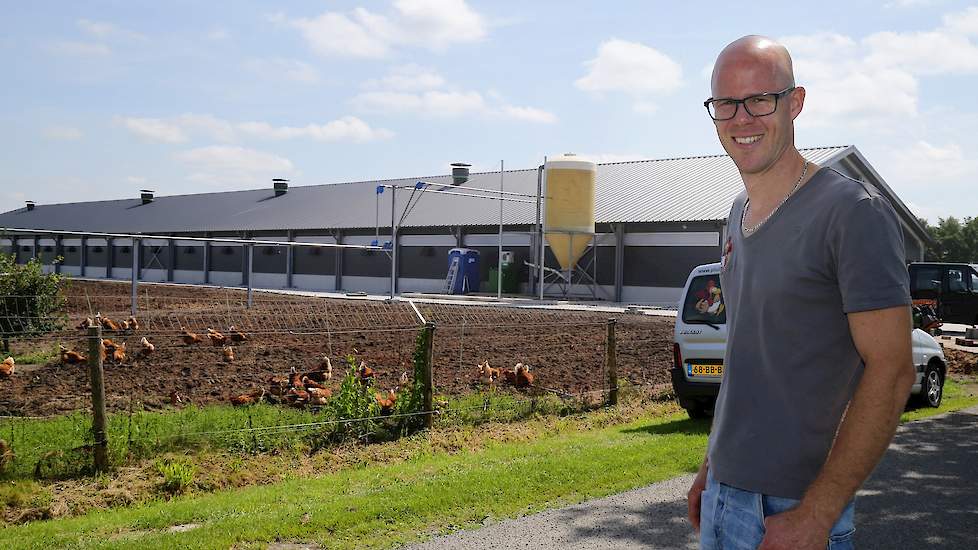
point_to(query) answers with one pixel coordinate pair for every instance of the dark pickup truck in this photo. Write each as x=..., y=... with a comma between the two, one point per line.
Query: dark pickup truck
x=953, y=288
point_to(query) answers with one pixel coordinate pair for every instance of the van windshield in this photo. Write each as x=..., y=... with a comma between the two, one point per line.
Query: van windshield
x=704, y=301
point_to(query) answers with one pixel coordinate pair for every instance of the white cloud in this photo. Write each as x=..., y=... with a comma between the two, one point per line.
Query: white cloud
x=529, y=114
x=923, y=53
x=965, y=22
x=223, y=165
x=67, y=133
x=179, y=129
x=153, y=129
x=104, y=30
x=80, y=49
x=634, y=69
x=348, y=128
x=446, y=104
x=926, y=164
x=429, y=24
x=227, y=157
x=420, y=91
x=277, y=68
x=209, y=125
x=876, y=79
x=136, y=180
x=439, y=23
x=408, y=78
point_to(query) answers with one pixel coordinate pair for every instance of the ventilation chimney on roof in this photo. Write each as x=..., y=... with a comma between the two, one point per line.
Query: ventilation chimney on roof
x=460, y=173
x=30, y=205
x=146, y=195
x=280, y=185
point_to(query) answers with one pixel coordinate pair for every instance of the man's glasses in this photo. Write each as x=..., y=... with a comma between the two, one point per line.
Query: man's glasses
x=755, y=105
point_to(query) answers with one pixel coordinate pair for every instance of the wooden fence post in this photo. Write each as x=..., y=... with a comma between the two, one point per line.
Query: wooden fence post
x=98, y=398
x=429, y=383
x=612, y=363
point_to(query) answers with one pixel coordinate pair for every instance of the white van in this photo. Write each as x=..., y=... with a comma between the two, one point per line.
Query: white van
x=700, y=340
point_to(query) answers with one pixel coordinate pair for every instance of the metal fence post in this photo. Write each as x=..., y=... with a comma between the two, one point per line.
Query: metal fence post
x=429, y=383
x=136, y=244
x=251, y=268
x=612, y=363
x=98, y=398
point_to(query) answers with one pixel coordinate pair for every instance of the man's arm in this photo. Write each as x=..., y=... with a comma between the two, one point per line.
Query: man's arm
x=695, y=495
x=882, y=338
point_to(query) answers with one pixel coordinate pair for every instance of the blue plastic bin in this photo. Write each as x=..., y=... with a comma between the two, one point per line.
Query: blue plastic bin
x=467, y=279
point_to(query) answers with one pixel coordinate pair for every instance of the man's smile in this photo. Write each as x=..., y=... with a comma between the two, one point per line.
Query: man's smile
x=747, y=140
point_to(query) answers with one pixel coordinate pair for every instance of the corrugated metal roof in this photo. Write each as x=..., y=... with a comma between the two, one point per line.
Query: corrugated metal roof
x=681, y=189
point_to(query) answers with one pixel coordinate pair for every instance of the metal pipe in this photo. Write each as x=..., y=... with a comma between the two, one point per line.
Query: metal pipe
x=180, y=238
x=477, y=196
x=251, y=270
x=543, y=223
x=393, y=243
x=537, y=240
x=499, y=267
x=481, y=190
x=134, y=287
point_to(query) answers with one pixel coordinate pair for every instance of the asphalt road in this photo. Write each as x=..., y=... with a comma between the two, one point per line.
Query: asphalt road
x=923, y=494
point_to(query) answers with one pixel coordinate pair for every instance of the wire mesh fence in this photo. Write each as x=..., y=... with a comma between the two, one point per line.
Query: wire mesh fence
x=565, y=352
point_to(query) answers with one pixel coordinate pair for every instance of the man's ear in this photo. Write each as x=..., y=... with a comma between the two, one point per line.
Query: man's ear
x=797, y=101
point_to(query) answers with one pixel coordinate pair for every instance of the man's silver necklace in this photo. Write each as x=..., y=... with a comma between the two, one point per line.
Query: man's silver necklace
x=743, y=215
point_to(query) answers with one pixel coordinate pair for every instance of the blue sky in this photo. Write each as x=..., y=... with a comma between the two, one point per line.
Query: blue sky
x=105, y=98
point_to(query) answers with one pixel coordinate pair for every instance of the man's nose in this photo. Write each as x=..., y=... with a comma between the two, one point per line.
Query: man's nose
x=742, y=116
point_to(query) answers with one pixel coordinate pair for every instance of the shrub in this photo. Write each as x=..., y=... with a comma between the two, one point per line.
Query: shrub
x=31, y=301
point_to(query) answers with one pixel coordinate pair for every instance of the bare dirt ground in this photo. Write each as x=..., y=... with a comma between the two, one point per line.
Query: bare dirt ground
x=565, y=349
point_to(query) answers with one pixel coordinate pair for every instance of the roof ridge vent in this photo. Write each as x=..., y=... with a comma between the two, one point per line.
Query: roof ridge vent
x=30, y=205
x=146, y=195
x=280, y=185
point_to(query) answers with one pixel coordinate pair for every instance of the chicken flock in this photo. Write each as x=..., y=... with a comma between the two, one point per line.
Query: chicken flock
x=300, y=388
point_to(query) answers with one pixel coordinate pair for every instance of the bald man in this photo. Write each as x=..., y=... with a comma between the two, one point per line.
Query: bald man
x=818, y=361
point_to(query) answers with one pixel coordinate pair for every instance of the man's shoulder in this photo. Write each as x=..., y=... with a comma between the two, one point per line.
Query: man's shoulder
x=840, y=189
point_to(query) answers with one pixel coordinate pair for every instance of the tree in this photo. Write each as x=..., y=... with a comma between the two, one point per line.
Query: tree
x=31, y=302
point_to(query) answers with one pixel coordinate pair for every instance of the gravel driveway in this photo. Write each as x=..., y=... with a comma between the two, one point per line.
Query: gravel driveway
x=924, y=494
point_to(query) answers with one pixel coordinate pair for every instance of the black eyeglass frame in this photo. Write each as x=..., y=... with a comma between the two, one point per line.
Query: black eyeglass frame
x=738, y=102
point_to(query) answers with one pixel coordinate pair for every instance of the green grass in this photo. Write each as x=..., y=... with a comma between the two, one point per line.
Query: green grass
x=59, y=443
x=374, y=506
x=36, y=356
x=956, y=397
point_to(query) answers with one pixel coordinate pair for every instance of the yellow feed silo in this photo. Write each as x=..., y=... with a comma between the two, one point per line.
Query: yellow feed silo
x=569, y=220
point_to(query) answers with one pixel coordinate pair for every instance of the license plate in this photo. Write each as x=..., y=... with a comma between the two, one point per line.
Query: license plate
x=698, y=369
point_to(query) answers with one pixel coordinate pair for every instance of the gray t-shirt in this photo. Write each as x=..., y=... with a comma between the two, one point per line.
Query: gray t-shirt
x=791, y=367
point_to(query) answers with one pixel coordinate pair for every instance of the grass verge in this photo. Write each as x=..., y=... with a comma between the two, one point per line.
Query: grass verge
x=395, y=492
x=553, y=461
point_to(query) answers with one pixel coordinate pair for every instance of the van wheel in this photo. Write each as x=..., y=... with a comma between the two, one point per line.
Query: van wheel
x=931, y=387
x=697, y=410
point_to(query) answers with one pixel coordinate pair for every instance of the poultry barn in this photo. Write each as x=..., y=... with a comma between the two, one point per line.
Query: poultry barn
x=649, y=223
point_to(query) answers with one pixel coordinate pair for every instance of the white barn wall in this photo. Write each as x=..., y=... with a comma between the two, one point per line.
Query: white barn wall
x=314, y=282
x=187, y=276
x=226, y=278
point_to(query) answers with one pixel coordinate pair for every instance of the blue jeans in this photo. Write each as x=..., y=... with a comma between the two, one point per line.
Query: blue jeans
x=733, y=519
